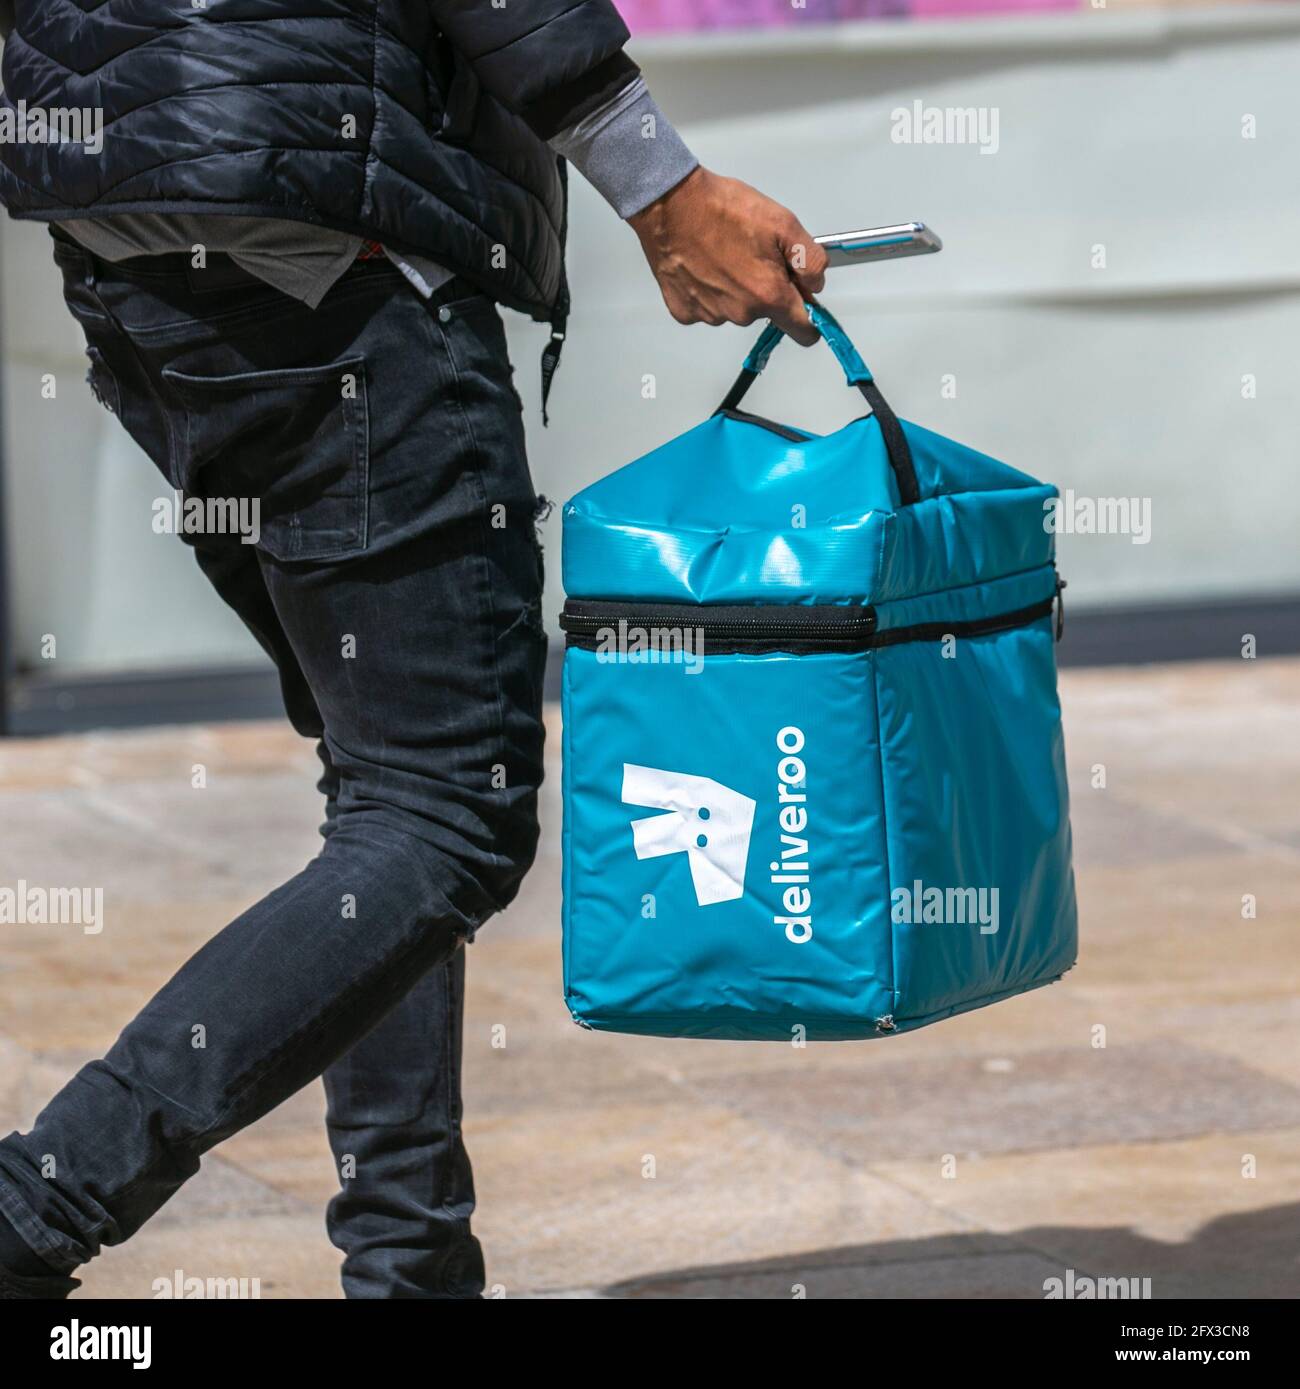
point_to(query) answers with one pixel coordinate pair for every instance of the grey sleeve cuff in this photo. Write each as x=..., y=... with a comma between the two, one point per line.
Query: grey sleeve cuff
x=627, y=150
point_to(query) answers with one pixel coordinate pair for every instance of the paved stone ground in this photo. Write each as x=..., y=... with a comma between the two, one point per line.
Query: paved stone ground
x=775, y=1167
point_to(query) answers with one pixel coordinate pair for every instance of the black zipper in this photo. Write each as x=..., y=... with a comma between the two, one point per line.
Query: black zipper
x=591, y=624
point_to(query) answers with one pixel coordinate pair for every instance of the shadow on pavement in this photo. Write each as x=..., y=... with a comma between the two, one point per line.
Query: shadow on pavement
x=1252, y=1254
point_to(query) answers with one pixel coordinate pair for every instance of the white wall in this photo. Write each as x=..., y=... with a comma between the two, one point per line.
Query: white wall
x=1121, y=128
x=84, y=564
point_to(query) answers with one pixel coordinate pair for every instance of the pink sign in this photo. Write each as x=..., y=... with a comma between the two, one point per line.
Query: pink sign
x=686, y=16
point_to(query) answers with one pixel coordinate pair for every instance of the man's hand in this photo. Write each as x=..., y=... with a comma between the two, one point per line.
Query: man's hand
x=723, y=253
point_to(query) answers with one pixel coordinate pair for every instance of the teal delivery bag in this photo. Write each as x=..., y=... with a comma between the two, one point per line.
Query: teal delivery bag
x=814, y=775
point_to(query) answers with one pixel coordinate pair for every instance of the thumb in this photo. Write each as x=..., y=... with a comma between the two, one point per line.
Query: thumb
x=790, y=315
x=805, y=258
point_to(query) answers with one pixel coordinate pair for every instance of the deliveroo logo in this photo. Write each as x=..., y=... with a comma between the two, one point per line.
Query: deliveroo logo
x=708, y=822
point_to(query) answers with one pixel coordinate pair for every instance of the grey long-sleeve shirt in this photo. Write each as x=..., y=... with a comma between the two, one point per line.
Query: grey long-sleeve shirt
x=627, y=149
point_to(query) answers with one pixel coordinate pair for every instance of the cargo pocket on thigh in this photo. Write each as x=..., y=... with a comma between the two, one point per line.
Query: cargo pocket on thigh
x=296, y=441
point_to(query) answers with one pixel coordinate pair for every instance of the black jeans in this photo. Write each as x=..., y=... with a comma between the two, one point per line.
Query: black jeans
x=397, y=585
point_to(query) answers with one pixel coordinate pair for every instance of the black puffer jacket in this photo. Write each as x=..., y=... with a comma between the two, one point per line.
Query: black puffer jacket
x=421, y=123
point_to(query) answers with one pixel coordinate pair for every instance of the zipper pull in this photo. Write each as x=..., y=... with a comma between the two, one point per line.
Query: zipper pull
x=551, y=360
x=1060, y=608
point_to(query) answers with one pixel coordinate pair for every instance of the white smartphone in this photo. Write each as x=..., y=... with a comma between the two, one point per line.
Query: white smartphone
x=879, y=243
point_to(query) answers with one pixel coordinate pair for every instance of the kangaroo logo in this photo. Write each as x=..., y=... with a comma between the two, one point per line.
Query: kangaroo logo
x=708, y=822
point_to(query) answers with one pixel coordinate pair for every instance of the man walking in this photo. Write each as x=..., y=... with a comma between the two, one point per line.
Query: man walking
x=287, y=258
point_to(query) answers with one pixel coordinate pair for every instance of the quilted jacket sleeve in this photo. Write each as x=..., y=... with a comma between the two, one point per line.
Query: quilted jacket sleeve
x=550, y=61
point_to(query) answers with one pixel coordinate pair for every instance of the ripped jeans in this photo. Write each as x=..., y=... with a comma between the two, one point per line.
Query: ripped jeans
x=390, y=568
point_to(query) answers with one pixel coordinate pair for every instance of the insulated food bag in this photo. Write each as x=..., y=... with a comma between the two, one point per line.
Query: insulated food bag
x=814, y=777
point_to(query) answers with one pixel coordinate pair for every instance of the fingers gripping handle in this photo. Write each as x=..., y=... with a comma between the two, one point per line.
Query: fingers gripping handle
x=762, y=349
x=856, y=370
x=856, y=373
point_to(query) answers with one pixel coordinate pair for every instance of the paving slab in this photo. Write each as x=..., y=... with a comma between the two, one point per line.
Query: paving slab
x=1115, y=831
x=1215, y=744
x=1074, y=1097
x=568, y=1203
x=288, y=1255
x=1187, y=1214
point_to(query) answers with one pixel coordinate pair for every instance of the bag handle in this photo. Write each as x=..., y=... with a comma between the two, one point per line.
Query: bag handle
x=856, y=373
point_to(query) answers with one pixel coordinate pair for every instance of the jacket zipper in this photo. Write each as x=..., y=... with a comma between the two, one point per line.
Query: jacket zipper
x=589, y=624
